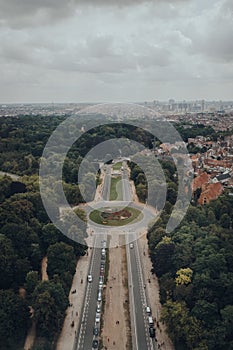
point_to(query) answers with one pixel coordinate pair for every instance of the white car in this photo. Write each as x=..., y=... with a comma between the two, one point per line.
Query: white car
x=89, y=278
x=98, y=308
x=131, y=245
x=99, y=298
x=148, y=310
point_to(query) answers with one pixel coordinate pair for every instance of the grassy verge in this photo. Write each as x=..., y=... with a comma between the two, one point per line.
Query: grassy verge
x=116, y=189
x=117, y=166
x=136, y=215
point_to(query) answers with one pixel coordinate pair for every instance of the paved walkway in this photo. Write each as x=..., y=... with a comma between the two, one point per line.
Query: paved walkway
x=13, y=176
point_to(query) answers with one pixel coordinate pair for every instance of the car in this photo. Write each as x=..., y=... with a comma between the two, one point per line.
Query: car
x=89, y=278
x=96, y=331
x=104, y=244
x=152, y=332
x=99, y=298
x=148, y=310
x=97, y=317
x=95, y=344
x=98, y=308
x=131, y=245
x=150, y=321
x=101, y=279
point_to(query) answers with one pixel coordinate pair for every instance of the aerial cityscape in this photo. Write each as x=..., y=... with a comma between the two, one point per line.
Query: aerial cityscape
x=116, y=175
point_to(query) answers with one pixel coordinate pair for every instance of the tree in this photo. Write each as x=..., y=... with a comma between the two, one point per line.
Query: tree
x=32, y=280
x=5, y=187
x=7, y=262
x=184, y=276
x=14, y=319
x=225, y=221
x=50, y=303
x=184, y=329
x=162, y=256
x=61, y=258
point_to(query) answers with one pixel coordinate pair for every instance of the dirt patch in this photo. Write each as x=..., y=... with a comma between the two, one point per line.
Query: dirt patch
x=44, y=275
x=116, y=331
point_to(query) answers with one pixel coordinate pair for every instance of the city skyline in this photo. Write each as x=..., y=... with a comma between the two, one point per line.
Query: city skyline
x=86, y=51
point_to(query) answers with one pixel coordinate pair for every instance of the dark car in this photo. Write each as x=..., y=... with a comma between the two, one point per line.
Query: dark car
x=95, y=344
x=152, y=332
x=96, y=331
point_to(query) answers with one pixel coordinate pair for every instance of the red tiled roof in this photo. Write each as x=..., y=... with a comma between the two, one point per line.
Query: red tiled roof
x=212, y=192
x=201, y=181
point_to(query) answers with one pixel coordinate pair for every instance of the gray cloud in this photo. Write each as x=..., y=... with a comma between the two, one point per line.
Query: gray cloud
x=81, y=50
x=26, y=13
x=213, y=35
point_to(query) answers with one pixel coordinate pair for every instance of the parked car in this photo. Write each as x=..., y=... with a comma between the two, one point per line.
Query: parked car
x=150, y=321
x=148, y=310
x=131, y=245
x=98, y=308
x=152, y=332
x=95, y=344
x=89, y=278
x=96, y=331
x=99, y=297
x=97, y=317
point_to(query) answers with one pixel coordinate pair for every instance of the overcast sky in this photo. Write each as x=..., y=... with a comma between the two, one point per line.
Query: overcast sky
x=115, y=50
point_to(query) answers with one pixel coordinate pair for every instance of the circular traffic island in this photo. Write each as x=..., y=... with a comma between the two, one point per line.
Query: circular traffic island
x=115, y=216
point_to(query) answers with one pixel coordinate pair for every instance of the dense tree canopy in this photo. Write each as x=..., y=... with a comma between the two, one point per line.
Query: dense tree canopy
x=195, y=269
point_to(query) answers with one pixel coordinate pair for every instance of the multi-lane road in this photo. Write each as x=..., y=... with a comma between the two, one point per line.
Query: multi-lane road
x=85, y=335
x=138, y=299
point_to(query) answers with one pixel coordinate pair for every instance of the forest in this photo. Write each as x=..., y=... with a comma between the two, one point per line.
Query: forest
x=194, y=263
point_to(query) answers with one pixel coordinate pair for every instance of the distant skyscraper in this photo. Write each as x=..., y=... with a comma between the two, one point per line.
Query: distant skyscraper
x=202, y=105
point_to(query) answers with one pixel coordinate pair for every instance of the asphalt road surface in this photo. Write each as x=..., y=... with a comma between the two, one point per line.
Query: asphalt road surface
x=106, y=184
x=126, y=189
x=138, y=301
x=85, y=334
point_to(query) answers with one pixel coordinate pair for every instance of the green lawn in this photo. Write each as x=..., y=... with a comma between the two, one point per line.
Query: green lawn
x=115, y=191
x=117, y=166
x=136, y=215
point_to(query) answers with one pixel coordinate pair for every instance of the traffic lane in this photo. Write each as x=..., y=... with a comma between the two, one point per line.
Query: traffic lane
x=90, y=320
x=106, y=185
x=126, y=186
x=142, y=337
